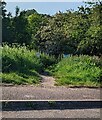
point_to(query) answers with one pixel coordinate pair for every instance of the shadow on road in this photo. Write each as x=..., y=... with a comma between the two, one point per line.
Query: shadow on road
x=51, y=105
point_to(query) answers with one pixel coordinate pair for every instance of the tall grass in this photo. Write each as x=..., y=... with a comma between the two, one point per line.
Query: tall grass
x=79, y=71
x=23, y=66
x=20, y=63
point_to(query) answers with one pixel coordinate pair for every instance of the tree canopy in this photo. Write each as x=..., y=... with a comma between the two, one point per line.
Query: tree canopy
x=71, y=32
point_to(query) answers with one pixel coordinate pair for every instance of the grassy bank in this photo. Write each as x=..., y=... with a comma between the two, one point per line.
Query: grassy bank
x=79, y=71
x=22, y=66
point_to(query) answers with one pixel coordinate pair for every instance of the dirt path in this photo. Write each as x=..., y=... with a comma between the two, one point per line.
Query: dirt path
x=47, y=81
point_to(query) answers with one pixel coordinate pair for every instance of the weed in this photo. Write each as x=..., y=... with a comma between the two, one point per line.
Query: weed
x=51, y=103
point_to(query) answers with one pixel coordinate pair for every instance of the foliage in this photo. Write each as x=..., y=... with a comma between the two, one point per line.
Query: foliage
x=2, y=7
x=74, y=32
x=79, y=71
x=23, y=64
x=35, y=21
x=20, y=78
x=51, y=38
x=91, y=43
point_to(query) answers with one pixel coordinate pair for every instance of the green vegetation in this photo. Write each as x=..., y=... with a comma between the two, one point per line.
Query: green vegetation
x=52, y=103
x=22, y=66
x=33, y=43
x=31, y=105
x=19, y=78
x=79, y=71
x=71, y=32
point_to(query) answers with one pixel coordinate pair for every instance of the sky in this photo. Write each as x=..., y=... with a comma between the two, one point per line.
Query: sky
x=43, y=7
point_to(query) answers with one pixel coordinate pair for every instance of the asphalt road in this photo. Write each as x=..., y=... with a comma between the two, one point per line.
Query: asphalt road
x=48, y=93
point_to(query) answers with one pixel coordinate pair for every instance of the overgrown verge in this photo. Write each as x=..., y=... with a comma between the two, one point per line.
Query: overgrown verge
x=79, y=71
x=22, y=66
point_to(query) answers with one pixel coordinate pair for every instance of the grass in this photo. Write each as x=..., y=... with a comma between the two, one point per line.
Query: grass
x=19, y=78
x=22, y=66
x=79, y=71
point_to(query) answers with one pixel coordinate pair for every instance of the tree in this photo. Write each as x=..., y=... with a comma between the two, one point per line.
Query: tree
x=91, y=44
x=71, y=32
x=2, y=5
x=17, y=11
x=35, y=21
x=52, y=38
